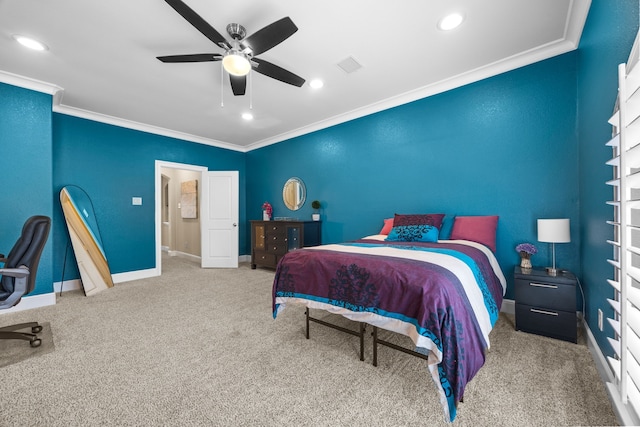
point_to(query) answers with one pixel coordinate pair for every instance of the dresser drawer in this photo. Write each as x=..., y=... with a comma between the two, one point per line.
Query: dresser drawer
x=275, y=228
x=264, y=258
x=553, y=296
x=278, y=248
x=544, y=321
x=275, y=239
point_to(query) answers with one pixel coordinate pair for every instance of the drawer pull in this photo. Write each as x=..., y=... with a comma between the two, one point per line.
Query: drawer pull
x=548, y=313
x=541, y=285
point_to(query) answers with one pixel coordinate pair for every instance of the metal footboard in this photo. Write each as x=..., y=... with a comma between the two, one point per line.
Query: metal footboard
x=359, y=333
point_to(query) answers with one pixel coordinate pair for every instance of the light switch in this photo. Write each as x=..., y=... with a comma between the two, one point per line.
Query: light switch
x=136, y=201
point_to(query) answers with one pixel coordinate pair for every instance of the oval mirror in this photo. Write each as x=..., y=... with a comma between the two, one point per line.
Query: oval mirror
x=294, y=193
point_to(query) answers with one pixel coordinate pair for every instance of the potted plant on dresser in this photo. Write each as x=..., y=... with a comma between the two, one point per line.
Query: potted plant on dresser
x=316, y=207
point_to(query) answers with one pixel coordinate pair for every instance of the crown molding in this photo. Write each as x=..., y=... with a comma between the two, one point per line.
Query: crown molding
x=517, y=61
x=577, y=16
x=58, y=107
x=130, y=124
x=28, y=83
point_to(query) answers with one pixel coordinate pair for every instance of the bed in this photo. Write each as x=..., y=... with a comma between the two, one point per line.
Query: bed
x=443, y=294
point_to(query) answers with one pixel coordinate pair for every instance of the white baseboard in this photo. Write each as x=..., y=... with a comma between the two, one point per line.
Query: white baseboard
x=76, y=284
x=33, y=301
x=508, y=306
x=241, y=258
x=67, y=285
x=625, y=414
x=135, y=275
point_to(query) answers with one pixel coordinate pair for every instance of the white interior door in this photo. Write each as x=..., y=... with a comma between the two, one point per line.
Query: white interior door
x=219, y=223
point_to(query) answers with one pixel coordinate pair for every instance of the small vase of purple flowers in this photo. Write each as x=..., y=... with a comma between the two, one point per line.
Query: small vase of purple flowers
x=526, y=250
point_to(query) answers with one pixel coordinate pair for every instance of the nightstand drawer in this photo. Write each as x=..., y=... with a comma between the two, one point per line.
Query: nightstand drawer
x=539, y=293
x=548, y=322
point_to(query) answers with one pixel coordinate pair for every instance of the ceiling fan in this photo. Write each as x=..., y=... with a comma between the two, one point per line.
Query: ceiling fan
x=239, y=57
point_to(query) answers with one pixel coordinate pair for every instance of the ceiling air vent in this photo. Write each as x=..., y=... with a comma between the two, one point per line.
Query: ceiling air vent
x=349, y=65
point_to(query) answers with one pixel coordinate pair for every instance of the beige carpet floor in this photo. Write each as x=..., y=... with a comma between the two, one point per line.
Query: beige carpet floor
x=200, y=348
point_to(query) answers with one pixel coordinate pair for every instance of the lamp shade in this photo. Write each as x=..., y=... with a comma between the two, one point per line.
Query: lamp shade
x=554, y=230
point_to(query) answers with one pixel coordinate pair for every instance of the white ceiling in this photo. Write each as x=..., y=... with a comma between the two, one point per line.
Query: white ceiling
x=101, y=63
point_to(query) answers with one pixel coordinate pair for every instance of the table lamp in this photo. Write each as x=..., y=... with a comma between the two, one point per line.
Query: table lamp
x=554, y=231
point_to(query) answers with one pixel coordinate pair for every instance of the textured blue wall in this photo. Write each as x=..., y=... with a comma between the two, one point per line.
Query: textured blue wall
x=25, y=162
x=503, y=146
x=113, y=164
x=606, y=42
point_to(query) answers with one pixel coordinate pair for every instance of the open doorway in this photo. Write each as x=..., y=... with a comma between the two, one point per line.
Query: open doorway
x=178, y=228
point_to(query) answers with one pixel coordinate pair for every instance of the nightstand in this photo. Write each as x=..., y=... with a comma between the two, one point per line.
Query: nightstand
x=546, y=305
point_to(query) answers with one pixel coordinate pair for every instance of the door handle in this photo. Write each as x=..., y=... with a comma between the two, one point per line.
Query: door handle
x=235, y=225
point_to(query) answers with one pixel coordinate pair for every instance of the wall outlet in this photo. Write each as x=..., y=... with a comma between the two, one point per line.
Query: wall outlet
x=600, y=320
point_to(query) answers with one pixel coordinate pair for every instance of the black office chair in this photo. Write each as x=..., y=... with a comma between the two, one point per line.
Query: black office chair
x=19, y=275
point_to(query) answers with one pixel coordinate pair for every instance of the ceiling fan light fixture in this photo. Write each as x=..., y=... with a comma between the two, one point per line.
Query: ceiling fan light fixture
x=236, y=63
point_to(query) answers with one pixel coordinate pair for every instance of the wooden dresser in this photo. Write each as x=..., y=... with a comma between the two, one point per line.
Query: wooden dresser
x=270, y=240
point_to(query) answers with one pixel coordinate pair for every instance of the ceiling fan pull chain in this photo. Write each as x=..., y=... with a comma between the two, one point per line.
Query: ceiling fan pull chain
x=221, y=85
x=250, y=91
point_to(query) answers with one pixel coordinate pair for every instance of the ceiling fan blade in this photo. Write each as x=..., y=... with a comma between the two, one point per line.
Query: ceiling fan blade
x=238, y=84
x=196, y=57
x=199, y=23
x=270, y=36
x=278, y=73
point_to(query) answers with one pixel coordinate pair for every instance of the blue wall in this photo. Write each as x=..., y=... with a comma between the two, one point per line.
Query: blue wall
x=503, y=146
x=603, y=46
x=114, y=164
x=26, y=165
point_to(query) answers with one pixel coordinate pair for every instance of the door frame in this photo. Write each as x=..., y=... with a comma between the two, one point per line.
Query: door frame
x=204, y=198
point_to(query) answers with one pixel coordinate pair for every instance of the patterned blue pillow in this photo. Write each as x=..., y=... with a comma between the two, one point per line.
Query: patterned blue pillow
x=413, y=233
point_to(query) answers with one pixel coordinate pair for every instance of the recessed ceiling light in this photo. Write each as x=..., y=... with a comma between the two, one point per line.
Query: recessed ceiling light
x=316, y=83
x=450, y=21
x=30, y=43
x=247, y=116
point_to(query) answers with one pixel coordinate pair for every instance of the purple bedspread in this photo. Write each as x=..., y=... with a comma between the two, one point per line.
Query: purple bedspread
x=421, y=293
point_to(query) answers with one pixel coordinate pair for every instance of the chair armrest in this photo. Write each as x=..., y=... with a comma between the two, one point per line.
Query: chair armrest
x=18, y=273
x=20, y=285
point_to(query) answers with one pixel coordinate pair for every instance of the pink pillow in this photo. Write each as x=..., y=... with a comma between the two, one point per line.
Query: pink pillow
x=480, y=229
x=388, y=225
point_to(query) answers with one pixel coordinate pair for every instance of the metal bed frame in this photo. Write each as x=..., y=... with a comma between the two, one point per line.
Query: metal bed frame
x=360, y=333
